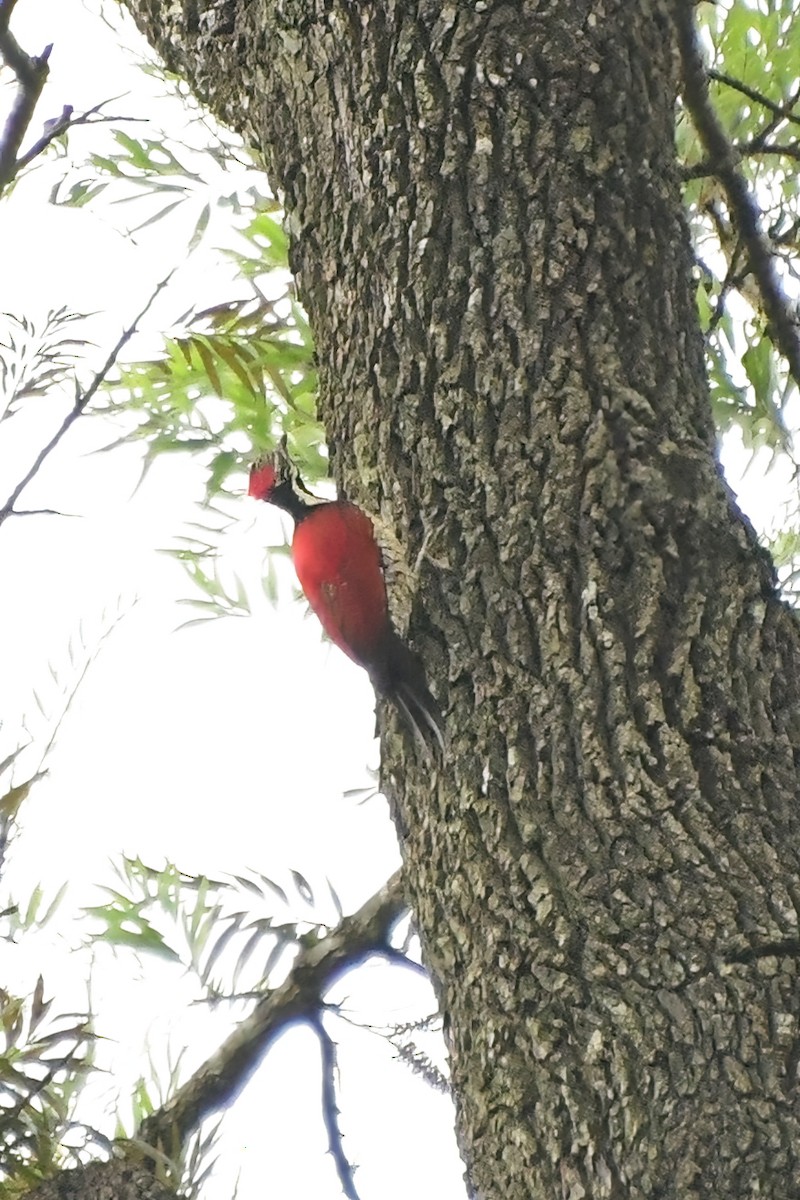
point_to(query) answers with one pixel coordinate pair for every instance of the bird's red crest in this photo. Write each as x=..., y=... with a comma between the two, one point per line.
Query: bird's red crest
x=263, y=478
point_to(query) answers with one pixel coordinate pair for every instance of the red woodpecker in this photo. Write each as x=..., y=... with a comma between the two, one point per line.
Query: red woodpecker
x=340, y=569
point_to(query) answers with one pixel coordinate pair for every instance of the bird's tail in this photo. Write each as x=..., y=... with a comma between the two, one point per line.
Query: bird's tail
x=403, y=682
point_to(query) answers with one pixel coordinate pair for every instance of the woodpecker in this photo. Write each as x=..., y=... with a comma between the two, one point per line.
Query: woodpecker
x=340, y=569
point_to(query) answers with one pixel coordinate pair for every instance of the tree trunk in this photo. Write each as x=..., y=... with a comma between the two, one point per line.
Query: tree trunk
x=487, y=233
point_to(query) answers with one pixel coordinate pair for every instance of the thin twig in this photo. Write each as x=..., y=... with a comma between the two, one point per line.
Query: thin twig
x=31, y=76
x=41, y=512
x=330, y=1109
x=60, y=125
x=77, y=681
x=81, y=401
x=784, y=112
x=788, y=150
x=298, y=998
x=52, y=130
x=705, y=167
x=725, y=161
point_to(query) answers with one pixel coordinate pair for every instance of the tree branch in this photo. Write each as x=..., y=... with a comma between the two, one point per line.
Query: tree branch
x=62, y=124
x=81, y=401
x=299, y=997
x=330, y=1110
x=785, y=112
x=31, y=76
x=724, y=160
x=706, y=167
x=40, y=512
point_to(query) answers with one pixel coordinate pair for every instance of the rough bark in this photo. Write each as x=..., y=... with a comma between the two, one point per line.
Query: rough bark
x=487, y=234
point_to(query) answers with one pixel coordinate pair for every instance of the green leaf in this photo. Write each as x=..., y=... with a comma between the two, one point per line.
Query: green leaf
x=757, y=362
x=124, y=925
x=204, y=353
x=15, y=797
x=200, y=227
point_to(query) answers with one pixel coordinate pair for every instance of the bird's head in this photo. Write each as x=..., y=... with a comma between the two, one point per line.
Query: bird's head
x=273, y=473
x=264, y=479
x=275, y=478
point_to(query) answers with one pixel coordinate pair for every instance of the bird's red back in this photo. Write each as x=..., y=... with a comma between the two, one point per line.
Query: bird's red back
x=338, y=563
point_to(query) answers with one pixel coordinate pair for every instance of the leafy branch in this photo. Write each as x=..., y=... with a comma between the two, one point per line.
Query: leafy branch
x=316, y=969
x=37, y=358
x=783, y=112
x=31, y=73
x=39, y=1068
x=82, y=399
x=724, y=160
x=69, y=119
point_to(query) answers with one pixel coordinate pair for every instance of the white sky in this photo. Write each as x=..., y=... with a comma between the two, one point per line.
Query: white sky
x=219, y=748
